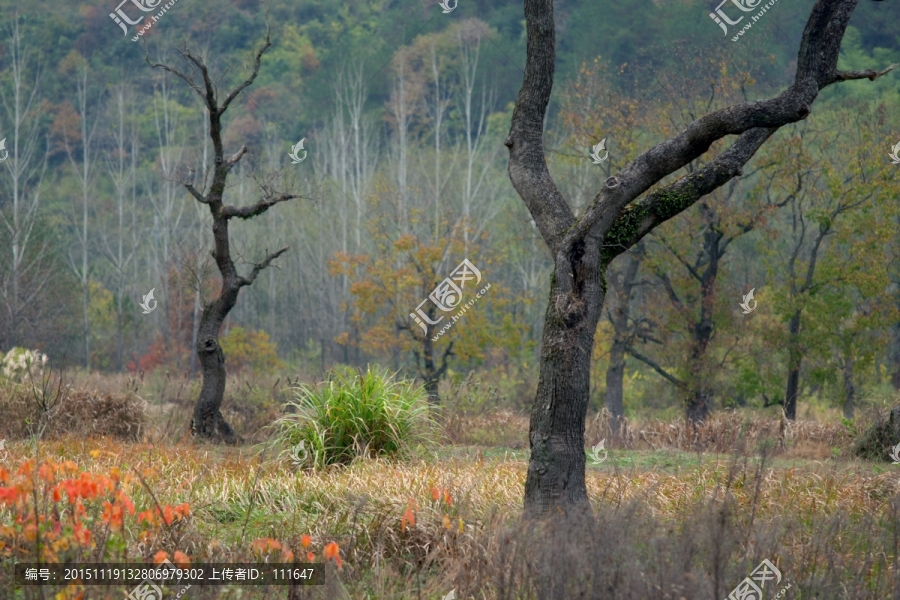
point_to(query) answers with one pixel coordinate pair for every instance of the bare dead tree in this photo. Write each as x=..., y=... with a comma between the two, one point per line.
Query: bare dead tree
x=208, y=421
x=620, y=215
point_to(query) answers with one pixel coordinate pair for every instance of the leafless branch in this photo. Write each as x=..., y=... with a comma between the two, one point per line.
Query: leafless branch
x=246, y=212
x=259, y=267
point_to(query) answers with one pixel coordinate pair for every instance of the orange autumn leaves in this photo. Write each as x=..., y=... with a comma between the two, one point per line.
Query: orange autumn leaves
x=168, y=514
x=263, y=547
x=437, y=492
x=180, y=559
x=440, y=496
x=74, y=509
x=409, y=516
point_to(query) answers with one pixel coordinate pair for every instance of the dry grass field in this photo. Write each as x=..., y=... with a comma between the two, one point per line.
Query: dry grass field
x=678, y=513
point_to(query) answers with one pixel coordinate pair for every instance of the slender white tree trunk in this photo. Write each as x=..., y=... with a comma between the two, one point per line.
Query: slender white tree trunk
x=26, y=173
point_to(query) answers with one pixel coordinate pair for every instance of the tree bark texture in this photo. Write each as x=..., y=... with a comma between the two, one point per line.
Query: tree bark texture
x=616, y=219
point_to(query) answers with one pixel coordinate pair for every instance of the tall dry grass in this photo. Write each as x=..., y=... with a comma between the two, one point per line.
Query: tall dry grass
x=419, y=528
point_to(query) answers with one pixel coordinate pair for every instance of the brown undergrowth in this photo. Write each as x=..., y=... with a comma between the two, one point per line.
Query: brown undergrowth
x=423, y=526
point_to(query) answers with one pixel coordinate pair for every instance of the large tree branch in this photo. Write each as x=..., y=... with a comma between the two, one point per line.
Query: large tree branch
x=235, y=158
x=527, y=166
x=247, y=212
x=660, y=205
x=256, y=64
x=816, y=69
x=188, y=79
x=249, y=279
x=869, y=74
x=655, y=366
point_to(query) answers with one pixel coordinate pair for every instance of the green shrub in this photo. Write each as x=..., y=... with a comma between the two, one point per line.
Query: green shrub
x=246, y=349
x=353, y=414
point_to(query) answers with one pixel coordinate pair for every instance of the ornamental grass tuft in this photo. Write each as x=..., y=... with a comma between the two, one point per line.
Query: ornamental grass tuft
x=353, y=414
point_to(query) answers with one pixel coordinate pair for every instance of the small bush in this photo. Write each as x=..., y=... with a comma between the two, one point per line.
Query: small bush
x=248, y=350
x=53, y=409
x=354, y=414
x=876, y=441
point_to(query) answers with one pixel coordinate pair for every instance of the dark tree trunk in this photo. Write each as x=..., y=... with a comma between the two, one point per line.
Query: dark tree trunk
x=696, y=390
x=615, y=375
x=429, y=371
x=556, y=432
x=208, y=421
x=620, y=317
x=698, y=384
x=849, y=388
x=617, y=219
x=794, y=358
x=895, y=355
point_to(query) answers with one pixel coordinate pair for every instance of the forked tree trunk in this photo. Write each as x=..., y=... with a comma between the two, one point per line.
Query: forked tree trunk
x=617, y=219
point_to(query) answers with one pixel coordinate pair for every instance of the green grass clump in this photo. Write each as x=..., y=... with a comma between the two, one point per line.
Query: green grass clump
x=354, y=414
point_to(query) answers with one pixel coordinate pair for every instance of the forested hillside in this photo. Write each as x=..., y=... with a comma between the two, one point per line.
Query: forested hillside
x=403, y=111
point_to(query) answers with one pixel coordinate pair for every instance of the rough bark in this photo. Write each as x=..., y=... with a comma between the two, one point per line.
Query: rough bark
x=615, y=221
x=208, y=421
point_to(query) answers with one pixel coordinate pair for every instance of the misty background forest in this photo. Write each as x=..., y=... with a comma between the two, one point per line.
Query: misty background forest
x=746, y=357
x=406, y=177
